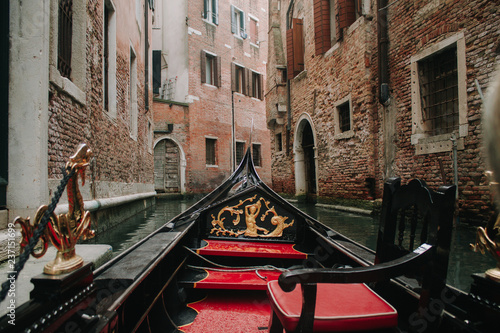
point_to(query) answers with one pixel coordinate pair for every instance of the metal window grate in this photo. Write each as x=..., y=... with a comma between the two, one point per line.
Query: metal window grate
x=65, y=35
x=240, y=151
x=344, y=117
x=210, y=151
x=439, y=92
x=256, y=154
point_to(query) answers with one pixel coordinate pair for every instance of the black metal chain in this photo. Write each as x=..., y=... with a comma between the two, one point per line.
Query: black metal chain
x=18, y=267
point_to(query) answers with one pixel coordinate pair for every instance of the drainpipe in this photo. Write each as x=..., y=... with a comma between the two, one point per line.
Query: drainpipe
x=146, y=54
x=383, y=52
x=455, y=176
x=288, y=90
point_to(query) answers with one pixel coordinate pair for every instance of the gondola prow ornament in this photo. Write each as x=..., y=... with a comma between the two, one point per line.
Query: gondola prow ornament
x=64, y=230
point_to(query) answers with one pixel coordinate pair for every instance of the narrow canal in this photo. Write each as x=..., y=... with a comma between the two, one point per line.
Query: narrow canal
x=363, y=229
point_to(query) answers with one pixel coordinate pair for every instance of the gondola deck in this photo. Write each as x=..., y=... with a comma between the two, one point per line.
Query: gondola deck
x=230, y=311
x=209, y=270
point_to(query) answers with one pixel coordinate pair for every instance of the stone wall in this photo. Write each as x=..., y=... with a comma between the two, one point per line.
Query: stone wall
x=385, y=140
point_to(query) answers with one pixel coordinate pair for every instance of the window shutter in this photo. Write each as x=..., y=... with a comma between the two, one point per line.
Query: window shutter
x=247, y=84
x=217, y=71
x=233, y=76
x=243, y=32
x=298, y=46
x=322, y=38
x=261, y=87
x=203, y=67
x=215, y=11
x=234, y=28
x=205, y=9
x=347, y=13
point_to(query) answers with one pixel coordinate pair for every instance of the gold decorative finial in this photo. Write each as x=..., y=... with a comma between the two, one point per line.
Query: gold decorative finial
x=64, y=230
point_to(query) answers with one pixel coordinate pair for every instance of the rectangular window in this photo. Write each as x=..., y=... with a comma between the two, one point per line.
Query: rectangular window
x=65, y=37
x=238, y=79
x=295, y=48
x=257, y=161
x=256, y=89
x=156, y=71
x=109, y=59
x=133, y=94
x=210, y=69
x=278, y=142
x=106, y=58
x=344, y=112
x=254, y=31
x=439, y=91
x=240, y=152
x=238, y=22
x=210, y=147
x=211, y=11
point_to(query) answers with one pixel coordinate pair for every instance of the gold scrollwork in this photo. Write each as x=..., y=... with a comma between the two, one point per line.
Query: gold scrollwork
x=252, y=211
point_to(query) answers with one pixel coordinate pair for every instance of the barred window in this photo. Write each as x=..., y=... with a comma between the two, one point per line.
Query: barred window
x=257, y=161
x=65, y=36
x=210, y=147
x=240, y=151
x=439, y=91
x=279, y=142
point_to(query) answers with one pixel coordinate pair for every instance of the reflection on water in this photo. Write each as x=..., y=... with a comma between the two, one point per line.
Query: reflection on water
x=362, y=229
x=139, y=226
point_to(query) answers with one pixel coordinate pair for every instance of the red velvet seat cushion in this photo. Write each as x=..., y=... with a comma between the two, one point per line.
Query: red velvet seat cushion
x=339, y=307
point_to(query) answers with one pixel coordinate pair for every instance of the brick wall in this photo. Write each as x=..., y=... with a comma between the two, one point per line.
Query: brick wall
x=117, y=156
x=384, y=142
x=424, y=25
x=209, y=111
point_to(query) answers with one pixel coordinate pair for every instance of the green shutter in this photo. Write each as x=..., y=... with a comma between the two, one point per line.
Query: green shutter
x=234, y=28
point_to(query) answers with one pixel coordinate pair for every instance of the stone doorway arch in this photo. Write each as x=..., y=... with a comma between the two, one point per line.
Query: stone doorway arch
x=305, y=158
x=170, y=166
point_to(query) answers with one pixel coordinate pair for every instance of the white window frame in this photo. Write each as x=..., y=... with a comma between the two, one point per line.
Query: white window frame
x=76, y=85
x=112, y=111
x=253, y=18
x=210, y=14
x=336, y=119
x=424, y=142
x=215, y=151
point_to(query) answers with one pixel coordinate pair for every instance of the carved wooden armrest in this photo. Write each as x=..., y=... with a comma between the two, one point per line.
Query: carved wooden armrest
x=309, y=277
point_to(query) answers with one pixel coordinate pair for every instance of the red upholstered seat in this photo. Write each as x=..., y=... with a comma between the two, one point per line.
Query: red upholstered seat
x=339, y=307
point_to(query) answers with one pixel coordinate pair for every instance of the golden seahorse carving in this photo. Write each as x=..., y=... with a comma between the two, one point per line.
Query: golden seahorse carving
x=64, y=230
x=252, y=212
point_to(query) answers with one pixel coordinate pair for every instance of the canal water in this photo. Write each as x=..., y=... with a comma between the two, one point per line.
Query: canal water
x=362, y=229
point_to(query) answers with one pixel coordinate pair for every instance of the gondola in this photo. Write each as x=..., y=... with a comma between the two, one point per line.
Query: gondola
x=243, y=259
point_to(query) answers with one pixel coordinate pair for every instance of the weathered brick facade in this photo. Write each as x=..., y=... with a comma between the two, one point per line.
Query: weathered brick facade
x=198, y=110
x=120, y=157
x=383, y=140
x=80, y=82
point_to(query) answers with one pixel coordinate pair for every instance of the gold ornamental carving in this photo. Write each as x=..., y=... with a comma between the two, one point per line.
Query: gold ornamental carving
x=63, y=231
x=251, y=212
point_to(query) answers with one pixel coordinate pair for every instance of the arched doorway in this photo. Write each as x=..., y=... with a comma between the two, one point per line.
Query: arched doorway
x=305, y=159
x=169, y=163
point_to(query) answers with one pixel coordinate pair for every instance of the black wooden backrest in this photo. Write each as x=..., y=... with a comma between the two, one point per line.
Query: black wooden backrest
x=411, y=215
